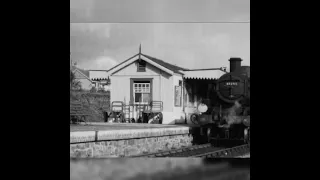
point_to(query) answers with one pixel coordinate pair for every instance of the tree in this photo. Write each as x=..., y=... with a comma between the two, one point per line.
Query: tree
x=74, y=84
x=72, y=77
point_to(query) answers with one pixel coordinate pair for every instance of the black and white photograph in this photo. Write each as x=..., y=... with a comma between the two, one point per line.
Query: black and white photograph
x=159, y=89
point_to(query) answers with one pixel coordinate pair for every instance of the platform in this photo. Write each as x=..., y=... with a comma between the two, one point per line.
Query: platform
x=119, y=126
x=119, y=131
x=126, y=139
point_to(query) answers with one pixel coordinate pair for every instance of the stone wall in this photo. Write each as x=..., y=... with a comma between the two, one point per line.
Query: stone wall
x=129, y=147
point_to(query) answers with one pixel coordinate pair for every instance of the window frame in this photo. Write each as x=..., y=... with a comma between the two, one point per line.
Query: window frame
x=142, y=88
x=140, y=80
x=141, y=66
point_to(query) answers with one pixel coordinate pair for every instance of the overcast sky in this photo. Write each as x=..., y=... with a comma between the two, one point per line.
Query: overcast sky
x=105, y=33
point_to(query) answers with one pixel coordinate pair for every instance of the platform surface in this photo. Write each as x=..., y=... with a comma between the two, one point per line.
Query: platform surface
x=119, y=126
x=119, y=131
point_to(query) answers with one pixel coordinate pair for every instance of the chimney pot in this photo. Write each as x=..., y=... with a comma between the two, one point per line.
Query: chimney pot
x=235, y=64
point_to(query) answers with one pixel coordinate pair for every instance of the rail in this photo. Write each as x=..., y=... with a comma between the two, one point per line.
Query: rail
x=205, y=150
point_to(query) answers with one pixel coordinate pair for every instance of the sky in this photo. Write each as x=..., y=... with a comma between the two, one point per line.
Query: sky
x=192, y=34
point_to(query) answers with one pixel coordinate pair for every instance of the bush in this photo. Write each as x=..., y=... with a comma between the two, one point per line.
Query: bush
x=93, y=89
x=74, y=84
x=94, y=103
x=101, y=90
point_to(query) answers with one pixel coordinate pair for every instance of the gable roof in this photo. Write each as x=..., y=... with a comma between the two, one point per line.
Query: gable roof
x=82, y=71
x=122, y=63
x=86, y=73
x=170, y=68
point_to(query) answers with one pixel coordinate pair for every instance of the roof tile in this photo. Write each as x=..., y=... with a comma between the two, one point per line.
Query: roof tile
x=172, y=67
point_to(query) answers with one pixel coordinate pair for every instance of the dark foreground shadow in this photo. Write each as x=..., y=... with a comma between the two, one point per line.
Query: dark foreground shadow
x=160, y=168
x=232, y=162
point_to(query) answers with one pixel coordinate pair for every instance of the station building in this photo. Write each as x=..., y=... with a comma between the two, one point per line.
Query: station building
x=143, y=78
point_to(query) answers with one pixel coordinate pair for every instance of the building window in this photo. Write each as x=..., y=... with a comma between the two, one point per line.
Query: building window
x=142, y=66
x=142, y=92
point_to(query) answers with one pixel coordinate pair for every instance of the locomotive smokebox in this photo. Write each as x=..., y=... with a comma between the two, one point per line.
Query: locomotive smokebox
x=235, y=64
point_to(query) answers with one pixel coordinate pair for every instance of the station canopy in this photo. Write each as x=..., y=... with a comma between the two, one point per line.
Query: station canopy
x=98, y=74
x=209, y=74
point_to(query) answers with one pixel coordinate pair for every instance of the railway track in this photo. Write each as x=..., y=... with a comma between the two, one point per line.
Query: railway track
x=205, y=150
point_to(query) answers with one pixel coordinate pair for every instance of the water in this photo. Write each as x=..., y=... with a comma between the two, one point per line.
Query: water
x=159, y=168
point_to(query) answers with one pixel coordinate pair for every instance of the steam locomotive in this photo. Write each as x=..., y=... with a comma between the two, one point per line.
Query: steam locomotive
x=231, y=113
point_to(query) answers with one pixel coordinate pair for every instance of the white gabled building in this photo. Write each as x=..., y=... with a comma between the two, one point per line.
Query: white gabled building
x=142, y=78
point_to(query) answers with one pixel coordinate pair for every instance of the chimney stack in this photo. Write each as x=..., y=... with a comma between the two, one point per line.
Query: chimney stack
x=235, y=64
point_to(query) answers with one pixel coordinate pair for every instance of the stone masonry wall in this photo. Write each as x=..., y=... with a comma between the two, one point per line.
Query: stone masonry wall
x=129, y=147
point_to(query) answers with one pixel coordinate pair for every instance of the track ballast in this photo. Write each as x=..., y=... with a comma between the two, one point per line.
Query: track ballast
x=205, y=150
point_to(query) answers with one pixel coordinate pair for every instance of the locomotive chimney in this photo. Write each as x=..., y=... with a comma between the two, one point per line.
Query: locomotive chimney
x=235, y=64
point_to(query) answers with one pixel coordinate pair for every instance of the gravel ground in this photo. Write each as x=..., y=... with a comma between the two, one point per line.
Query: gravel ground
x=161, y=168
